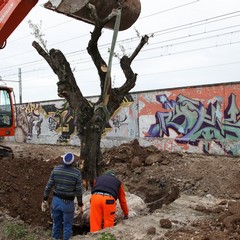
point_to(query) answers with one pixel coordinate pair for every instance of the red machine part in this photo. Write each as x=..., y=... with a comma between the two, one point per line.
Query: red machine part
x=12, y=12
x=7, y=118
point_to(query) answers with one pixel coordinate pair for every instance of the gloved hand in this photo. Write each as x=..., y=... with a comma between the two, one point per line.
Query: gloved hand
x=80, y=209
x=125, y=216
x=44, y=206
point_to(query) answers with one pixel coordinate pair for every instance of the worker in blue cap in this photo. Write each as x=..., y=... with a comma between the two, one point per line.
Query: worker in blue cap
x=66, y=182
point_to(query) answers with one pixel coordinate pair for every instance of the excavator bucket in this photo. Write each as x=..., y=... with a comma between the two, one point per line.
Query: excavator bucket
x=78, y=9
x=12, y=12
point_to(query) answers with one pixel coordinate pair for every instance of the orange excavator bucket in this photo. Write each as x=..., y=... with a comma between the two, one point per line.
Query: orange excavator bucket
x=78, y=9
x=12, y=12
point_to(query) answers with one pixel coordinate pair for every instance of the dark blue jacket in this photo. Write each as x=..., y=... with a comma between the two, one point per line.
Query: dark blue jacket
x=107, y=183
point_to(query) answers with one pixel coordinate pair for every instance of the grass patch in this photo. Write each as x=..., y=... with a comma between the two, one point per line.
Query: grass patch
x=15, y=231
x=107, y=236
x=18, y=231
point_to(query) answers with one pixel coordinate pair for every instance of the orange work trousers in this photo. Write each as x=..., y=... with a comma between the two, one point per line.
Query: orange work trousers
x=102, y=212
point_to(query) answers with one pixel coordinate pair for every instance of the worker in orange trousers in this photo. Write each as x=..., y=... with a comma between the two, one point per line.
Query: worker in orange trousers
x=105, y=192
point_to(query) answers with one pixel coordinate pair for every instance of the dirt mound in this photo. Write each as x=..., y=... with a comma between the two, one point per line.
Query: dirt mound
x=23, y=179
x=158, y=177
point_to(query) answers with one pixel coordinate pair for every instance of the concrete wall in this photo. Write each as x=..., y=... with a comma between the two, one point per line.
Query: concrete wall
x=195, y=119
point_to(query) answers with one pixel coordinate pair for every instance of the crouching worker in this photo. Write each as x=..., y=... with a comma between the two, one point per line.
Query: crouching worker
x=66, y=181
x=105, y=192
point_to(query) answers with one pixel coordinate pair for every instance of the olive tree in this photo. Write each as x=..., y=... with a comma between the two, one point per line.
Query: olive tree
x=91, y=118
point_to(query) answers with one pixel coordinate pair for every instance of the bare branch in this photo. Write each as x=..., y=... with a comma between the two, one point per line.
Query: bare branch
x=92, y=45
x=144, y=40
x=43, y=53
x=125, y=63
x=67, y=86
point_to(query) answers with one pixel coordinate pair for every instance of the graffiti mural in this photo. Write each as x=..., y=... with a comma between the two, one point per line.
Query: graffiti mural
x=117, y=122
x=201, y=119
x=121, y=121
x=28, y=116
x=31, y=117
x=61, y=120
x=54, y=122
x=192, y=121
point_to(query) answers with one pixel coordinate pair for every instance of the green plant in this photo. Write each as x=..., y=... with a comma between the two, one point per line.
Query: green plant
x=15, y=231
x=107, y=236
x=31, y=237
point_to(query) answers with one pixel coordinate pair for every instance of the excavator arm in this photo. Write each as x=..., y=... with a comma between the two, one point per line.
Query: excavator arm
x=12, y=12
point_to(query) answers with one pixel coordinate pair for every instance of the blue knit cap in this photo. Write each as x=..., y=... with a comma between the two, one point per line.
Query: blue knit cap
x=68, y=158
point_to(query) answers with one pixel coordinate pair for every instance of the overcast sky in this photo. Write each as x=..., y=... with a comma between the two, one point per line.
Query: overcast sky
x=194, y=42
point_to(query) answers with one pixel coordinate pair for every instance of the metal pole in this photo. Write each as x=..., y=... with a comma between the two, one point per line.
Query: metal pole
x=20, y=85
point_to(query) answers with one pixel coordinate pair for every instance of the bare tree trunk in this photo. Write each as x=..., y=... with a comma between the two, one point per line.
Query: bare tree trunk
x=90, y=152
x=90, y=146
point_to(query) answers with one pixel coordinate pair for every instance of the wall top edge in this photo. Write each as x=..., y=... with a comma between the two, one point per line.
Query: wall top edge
x=152, y=90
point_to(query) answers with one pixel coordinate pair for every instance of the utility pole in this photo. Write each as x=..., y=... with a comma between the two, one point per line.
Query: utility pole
x=20, y=84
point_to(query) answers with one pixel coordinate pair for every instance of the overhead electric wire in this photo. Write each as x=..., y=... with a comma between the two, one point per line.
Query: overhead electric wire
x=182, y=37
x=174, y=71
x=157, y=33
x=140, y=59
x=184, y=42
x=196, y=34
x=150, y=15
x=191, y=41
x=193, y=68
x=169, y=9
x=162, y=46
x=176, y=28
x=46, y=29
x=188, y=51
x=144, y=59
x=155, y=43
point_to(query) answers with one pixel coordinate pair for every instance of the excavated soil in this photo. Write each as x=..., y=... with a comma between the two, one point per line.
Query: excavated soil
x=172, y=185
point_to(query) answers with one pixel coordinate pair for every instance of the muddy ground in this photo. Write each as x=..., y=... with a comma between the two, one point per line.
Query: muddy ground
x=188, y=196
